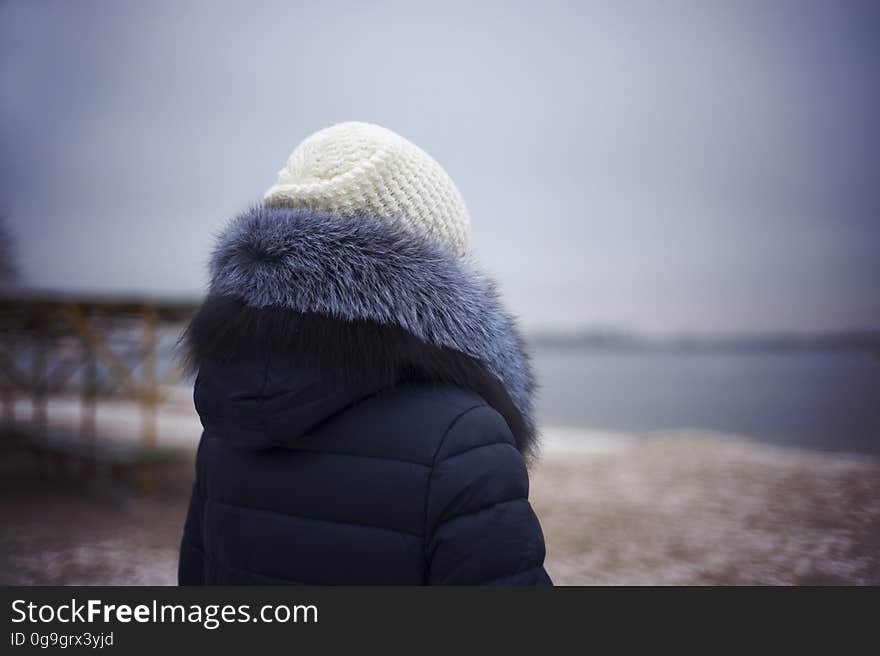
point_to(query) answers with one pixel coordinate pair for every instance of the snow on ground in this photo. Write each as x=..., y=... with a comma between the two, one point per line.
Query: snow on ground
x=677, y=507
x=178, y=425
x=693, y=507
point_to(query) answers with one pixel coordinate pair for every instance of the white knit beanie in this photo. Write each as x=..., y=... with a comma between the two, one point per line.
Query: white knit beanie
x=360, y=169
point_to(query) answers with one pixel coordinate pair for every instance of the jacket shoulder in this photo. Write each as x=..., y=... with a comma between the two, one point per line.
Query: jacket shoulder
x=480, y=526
x=407, y=422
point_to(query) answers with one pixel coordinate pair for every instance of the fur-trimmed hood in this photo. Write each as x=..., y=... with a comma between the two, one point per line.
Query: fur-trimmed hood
x=365, y=299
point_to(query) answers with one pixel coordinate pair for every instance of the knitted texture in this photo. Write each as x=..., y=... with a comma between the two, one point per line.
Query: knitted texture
x=364, y=170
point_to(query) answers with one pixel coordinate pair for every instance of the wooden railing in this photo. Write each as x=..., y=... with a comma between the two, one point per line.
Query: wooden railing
x=92, y=347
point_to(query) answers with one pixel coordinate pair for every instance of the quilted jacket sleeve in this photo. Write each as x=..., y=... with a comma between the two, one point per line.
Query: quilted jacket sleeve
x=481, y=529
x=190, y=569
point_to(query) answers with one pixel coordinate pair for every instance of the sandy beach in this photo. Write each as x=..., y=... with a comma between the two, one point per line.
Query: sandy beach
x=672, y=508
x=688, y=507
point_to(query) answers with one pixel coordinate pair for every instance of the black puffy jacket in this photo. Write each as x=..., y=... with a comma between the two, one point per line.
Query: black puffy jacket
x=367, y=414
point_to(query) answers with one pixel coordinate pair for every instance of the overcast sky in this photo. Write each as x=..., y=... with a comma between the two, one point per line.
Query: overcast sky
x=666, y=167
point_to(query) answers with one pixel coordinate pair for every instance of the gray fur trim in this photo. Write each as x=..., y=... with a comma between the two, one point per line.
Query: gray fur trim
x=358, y=268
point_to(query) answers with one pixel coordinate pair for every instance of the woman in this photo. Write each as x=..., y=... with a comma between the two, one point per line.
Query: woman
x=366, y=401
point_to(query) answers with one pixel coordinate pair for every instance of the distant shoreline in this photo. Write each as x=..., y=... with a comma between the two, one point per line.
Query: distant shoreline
x=864, y=341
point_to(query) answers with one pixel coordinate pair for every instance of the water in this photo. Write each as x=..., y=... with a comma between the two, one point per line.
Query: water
x=820, y=400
